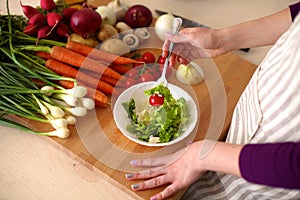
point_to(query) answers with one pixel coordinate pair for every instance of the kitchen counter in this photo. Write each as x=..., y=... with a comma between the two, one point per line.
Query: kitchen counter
x=32, y=167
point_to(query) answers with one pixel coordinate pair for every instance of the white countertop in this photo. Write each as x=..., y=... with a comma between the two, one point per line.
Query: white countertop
x=32, y=168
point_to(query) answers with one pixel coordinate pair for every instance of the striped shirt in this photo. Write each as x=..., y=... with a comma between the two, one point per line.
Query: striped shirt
x=268, y=111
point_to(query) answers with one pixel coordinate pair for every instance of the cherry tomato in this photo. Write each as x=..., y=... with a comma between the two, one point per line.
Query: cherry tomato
x=130, y=82
x=161, y=60
x=148, y=57
x=146, y=77
x=156, y=100
x=138, y=64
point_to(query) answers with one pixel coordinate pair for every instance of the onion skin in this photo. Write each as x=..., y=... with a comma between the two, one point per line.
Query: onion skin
x=85, y=22
x=138, y=16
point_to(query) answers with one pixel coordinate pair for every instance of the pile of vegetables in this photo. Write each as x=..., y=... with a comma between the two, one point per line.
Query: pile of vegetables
x=31, y=90
x=52, y=81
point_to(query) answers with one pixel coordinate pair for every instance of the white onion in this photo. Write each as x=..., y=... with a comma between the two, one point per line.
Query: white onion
x=190, y=74
x=163, y=24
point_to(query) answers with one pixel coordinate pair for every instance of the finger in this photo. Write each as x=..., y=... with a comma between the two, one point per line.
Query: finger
x=145, y=174
x=167, y=192
x=152, y=183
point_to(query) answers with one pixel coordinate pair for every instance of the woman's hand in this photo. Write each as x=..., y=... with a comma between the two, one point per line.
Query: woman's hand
x=179, y=170
x=194, y=43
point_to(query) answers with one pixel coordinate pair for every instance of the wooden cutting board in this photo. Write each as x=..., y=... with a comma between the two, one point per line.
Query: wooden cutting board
x=97, y=142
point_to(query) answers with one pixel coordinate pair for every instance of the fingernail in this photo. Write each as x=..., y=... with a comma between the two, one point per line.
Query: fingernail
x=133, y=162
x=153, y=198
x=129, y=175
x=135, y=186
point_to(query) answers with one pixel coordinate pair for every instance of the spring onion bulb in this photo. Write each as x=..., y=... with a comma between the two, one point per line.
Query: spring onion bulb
x=88, y=103
x=70, y=119
x=77, y=91
x=45, y=89
x=55, y=111
x=59, y=123
x=77, y=111
x=69, y=99
x=61, y=133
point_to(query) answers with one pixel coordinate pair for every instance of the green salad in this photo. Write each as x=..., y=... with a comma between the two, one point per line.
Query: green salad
x=162, y=120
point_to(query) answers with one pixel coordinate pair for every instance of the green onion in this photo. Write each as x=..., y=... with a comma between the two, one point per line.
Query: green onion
x=28, y=89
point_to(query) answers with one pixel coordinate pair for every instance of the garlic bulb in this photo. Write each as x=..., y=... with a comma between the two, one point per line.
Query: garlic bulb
x=119, y=8
x=107, y=14
x=142, y=33
x=131, y=40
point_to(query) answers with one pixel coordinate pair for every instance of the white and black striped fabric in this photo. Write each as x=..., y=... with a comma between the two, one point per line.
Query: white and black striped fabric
x=268, y=111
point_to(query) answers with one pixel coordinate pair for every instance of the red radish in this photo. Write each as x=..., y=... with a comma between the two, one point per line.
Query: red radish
x=31, y=29
x=37, y=19
x=67, y=13
x=53, y=19
x=43, y=33
x=47, y=5
x=28, y=11
x=85, y=22
x=62, y=30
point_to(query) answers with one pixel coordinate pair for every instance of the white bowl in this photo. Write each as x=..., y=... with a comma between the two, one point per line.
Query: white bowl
x=122, y=120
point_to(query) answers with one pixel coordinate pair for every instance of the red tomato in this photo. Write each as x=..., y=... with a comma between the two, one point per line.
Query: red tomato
x=138, y=64
x=148, y=57
x=146, y=77
x=156, y=100
x=130, y=82
x=161, y=60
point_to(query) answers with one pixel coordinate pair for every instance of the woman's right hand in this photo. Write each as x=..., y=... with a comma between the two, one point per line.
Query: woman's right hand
x=194, y=43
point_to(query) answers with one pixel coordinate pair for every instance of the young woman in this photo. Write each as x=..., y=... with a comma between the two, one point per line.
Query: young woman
x=261, y=156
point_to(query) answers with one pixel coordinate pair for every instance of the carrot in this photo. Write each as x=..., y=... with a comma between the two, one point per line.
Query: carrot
x=66, y=70
x=42, y=54
x=75, y=59
x=100, y=98
x=121, y=69
x=104, y=78
x=98, y=54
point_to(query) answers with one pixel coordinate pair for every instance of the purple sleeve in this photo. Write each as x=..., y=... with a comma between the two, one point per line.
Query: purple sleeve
x=276, y=165
x=294, y=9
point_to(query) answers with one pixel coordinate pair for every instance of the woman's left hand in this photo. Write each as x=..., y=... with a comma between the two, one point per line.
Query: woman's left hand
x=179, y=170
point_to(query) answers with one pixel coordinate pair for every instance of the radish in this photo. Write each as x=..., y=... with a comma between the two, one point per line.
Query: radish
x=43, y=33
x=37, y=19
x=53, y=19
x=47, y=5
x=28, y=11
x=31, y=29
x=67, y=13
x=62, y=30
x=85, y=22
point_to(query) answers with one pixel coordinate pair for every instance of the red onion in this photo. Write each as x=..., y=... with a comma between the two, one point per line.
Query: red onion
x=138, y=16
x=85, y=22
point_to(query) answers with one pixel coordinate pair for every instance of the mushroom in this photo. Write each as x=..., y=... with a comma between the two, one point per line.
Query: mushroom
x=131, y=40
x=142, y=33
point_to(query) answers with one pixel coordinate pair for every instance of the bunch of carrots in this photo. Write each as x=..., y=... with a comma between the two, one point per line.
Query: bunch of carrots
x=97, y=70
